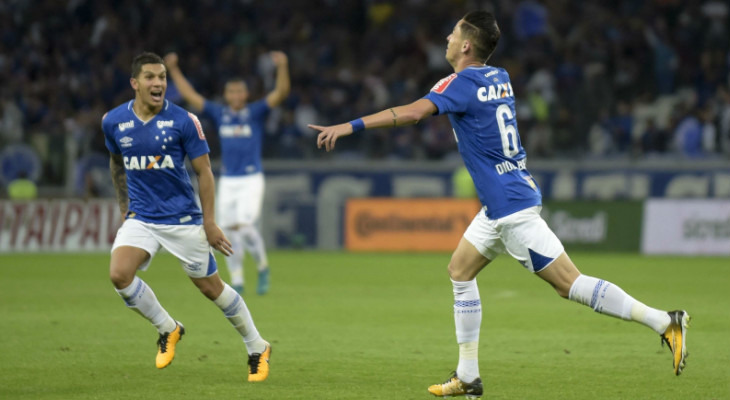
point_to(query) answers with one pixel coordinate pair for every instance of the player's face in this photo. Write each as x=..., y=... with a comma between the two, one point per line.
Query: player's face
x=151, y=84
x=455, y=42
x=235, y=94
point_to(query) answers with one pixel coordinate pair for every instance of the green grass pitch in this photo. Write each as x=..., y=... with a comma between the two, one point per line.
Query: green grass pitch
x=358, y=326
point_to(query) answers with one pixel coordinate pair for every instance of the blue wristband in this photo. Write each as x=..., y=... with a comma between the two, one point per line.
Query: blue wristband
x=357, y=125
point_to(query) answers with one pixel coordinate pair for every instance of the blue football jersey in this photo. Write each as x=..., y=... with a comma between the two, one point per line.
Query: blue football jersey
x=241, y=134
x=480, y=104
x=154, y=153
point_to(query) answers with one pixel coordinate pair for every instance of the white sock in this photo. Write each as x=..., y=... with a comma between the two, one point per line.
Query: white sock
x=468, y=319
x=142, y=299
x=234, y=308
x=234, y=262
x=606, y=298
x=255, y=245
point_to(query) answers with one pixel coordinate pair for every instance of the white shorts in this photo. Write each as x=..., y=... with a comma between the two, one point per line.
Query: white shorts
x=239, y=199
x=186, y=242
x=524, y=235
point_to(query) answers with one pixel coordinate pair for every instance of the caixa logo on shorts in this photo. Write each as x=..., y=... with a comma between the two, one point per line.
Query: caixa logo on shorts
x=148, y=162
x=193, y=267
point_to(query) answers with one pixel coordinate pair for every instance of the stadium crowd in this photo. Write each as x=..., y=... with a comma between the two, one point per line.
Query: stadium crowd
x=626, y=79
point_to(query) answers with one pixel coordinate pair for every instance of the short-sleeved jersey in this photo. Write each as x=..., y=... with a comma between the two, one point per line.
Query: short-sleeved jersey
x=480, y=104
x=159, y=187
x=241, y=135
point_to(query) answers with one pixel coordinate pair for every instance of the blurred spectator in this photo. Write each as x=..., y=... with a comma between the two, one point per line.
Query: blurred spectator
x=22, y=188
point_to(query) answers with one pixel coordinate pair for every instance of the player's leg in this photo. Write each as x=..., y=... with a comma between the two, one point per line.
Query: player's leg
x=227, y=215
x=133, y=248
x=473, y=253
x=250, y=211
x=607, y=298
x=465, y=264
x=236, y=311
x=254, y=243
x=189, y=244
x=528, y=238
x=234, y=262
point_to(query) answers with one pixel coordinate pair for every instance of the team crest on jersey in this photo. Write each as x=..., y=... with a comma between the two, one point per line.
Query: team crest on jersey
x=164, y=124
x=126, y=141
x=199, y=127
x=441, y=85
x=123, y=126
x=148, y=162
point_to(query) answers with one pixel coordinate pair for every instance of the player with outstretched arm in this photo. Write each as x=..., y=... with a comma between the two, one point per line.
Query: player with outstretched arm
x=241, y=186
x=479, y=102
x=149, y=138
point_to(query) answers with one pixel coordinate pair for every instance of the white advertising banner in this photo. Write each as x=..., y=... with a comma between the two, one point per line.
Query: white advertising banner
x=58, y=225
x=686, y=226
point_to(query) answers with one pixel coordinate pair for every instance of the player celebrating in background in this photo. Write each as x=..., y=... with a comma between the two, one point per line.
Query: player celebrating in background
x=479, y=101
x=241, y=185
x=148, y=139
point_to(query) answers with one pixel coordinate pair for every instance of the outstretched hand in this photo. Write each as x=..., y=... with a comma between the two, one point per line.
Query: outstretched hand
x=328, y=135
x=217, y=239
x=171, y=60
x=279, y=58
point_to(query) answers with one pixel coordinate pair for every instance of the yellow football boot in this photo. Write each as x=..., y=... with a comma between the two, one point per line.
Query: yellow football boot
x=456, y=387
x=676, y=338
x=258, y=365
x=166, y=345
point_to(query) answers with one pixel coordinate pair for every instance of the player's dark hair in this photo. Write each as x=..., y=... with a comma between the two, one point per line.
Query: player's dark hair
x=235, y=79
x=480, y=27
x=142, y=59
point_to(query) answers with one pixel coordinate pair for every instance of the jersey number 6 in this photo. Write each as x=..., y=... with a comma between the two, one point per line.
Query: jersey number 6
x=508, y=132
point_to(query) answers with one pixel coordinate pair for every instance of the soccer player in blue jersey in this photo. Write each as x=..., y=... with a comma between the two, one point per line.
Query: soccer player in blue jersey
x=479, y=102
x=148, y=139
x=241, y=185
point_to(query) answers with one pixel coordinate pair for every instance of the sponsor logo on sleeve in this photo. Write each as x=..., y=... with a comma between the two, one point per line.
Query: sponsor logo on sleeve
x=441, y=85
x=199, y=127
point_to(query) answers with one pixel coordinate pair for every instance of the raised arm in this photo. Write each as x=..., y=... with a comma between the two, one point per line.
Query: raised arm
x=206, y=186
x=119, y=180
x=183, y=85
x=283, y=84
x=397, y=116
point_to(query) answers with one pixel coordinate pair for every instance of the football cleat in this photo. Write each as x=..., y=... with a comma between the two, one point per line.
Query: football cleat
x=676, y=338
x=456, y=387
x=263, y=285
x=166, y=345
x=258, y=365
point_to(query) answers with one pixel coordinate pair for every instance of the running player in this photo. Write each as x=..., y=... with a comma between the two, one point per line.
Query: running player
x=479, y=101
x=148, y=139
x=241, y=185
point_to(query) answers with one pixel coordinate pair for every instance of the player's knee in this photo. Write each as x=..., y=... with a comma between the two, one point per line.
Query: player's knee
x=208, y=292
x=456, y=273
x=209, y=288
x=119, y=278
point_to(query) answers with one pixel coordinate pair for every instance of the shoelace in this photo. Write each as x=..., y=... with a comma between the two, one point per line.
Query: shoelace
x=253, y=362
x=162, y=342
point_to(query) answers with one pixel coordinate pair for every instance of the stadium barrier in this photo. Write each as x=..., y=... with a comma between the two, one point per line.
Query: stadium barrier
x=305, y=202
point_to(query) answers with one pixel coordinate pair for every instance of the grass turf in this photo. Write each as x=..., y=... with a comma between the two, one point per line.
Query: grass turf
x=358, y=326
